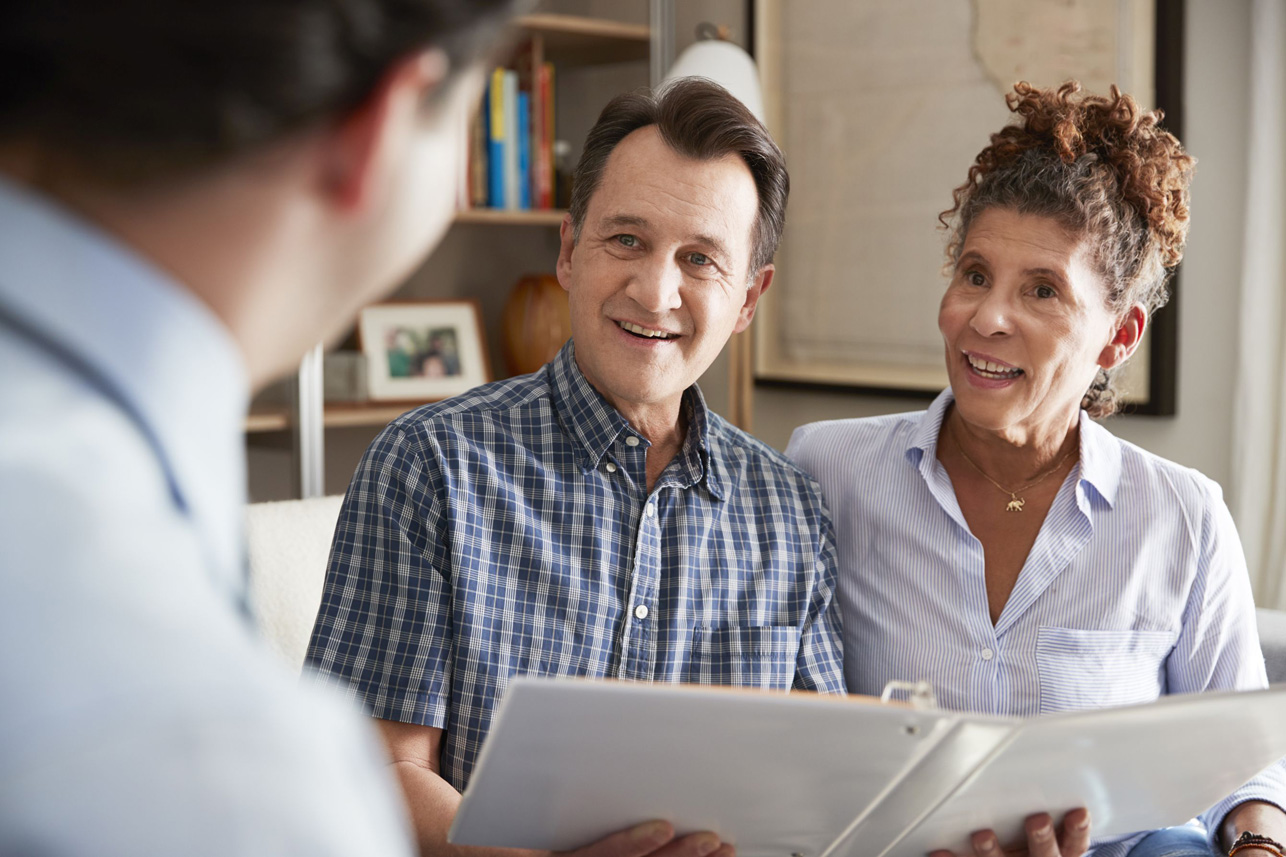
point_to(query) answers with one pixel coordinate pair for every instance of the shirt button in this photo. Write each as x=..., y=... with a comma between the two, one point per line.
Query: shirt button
x=640, y=612
x=631, y=441
x=987, y=654
x=649, y=510
x=610, y=467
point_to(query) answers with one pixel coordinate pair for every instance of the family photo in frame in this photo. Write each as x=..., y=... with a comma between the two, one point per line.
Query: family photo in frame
x=422, y=350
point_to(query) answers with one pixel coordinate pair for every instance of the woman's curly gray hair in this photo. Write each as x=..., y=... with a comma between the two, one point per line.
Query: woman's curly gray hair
x=1103, y=168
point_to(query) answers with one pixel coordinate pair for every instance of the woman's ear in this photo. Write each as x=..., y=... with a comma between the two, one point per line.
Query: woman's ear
x=1125, y=341
x=365, y=140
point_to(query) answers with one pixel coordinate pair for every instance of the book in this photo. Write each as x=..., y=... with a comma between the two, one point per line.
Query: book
x=528, y=62
x=522, y=137
x=496, y=140
x=478, y=193
x=509, y=139
x=543, y=137
x=569, y=761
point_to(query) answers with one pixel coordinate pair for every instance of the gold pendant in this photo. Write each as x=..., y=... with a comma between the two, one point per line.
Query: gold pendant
x=1015, y=503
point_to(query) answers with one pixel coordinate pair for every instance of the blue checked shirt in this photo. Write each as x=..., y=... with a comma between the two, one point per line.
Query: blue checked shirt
x=1136, y=586
x=510, y=531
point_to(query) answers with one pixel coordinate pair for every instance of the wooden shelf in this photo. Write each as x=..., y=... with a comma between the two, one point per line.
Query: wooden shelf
x=506, y=217
x=337, y=415
x=573, y=40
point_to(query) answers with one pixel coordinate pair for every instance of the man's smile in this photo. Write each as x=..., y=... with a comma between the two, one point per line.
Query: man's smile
x=645, y=332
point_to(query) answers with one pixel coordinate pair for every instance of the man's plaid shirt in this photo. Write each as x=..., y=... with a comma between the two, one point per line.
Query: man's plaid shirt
x=510, y=531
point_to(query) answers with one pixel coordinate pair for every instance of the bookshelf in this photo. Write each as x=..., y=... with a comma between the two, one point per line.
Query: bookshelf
x=337, y=415
x=575, y=40
x=503, y=217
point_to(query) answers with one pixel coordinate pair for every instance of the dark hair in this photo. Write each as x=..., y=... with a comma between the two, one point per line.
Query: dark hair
x=137, y=89
x=1102, y=167
x=698, y=119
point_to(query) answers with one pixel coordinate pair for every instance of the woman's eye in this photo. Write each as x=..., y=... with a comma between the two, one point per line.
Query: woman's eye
x=974, y=278
x=1045, y=292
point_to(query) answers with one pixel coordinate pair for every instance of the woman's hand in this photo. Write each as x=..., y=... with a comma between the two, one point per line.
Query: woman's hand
x=1071, y=840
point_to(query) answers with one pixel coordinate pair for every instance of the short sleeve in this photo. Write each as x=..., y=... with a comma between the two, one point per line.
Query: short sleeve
x=820, y=667
x=384, y=626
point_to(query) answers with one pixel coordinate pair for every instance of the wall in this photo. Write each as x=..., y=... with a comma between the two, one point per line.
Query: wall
x=1216, y=118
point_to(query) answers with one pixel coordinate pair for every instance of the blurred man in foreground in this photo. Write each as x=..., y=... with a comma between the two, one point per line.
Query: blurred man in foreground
x=190, y=196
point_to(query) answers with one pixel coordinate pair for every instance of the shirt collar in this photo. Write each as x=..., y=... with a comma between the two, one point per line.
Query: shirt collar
x=1100, y=459
x=596, y=425
x=922, y=448
x=144, y=341
x=1100, y=450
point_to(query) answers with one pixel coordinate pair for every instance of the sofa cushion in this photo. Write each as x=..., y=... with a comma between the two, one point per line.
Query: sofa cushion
x=289, y=545
x=1272, y=637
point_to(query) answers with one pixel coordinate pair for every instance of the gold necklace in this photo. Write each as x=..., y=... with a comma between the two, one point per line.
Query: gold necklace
x=1016, y=502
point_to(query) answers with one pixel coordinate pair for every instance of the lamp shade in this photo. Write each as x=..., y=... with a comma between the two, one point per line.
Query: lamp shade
x=727, y=65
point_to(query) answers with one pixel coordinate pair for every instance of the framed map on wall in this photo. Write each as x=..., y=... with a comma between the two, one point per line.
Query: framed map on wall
x=881, y=107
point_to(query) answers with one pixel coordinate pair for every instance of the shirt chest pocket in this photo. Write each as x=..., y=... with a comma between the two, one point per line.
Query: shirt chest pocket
x=1099, y=669
x=761, y=656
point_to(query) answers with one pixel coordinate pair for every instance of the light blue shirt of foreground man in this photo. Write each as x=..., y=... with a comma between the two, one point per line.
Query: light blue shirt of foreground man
x=188, y=202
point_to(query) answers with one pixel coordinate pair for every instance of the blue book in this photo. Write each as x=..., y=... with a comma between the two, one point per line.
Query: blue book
x=522, y=130
x=496, y=140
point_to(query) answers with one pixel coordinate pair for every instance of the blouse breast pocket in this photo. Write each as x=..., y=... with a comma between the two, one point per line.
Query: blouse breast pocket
x=760, y=656
x=1099, y=669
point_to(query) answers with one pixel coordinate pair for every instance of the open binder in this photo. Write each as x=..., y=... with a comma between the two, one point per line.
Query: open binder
x=569, y=761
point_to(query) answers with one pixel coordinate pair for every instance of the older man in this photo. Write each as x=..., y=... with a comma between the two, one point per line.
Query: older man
x=594, y=518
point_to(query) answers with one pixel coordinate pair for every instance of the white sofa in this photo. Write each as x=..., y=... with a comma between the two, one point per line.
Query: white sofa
x=1272, y=637
x=289, y=543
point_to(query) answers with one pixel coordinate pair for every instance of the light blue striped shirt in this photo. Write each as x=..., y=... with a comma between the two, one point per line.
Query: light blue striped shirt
x=1136, y=585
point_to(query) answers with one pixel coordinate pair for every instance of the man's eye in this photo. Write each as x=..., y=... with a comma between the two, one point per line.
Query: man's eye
x=627, y=240
x=699, y=259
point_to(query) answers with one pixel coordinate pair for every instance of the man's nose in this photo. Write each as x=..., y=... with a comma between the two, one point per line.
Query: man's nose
x=654, y=286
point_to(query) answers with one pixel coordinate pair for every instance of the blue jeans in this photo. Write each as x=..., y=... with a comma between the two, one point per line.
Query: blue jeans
x=1188, y=840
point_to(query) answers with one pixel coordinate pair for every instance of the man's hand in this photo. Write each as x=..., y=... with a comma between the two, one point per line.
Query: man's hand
x=655, y=838
x=1042, y=841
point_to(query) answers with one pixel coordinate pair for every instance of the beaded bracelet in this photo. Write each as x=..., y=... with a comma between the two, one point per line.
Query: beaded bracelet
x=1254, y=840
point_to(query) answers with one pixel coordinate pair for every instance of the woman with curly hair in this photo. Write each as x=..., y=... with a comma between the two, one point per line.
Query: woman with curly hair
x=1003, y=545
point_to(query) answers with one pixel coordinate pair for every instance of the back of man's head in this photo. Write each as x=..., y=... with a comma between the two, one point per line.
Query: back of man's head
x=131, y=91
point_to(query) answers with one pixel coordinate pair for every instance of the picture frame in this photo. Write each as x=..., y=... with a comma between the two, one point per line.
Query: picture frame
x=422, y=350
x=890, y=291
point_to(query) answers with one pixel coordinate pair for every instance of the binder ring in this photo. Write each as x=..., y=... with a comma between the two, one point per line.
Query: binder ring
x=919, y=693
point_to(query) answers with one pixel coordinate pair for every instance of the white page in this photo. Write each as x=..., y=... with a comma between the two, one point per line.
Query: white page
x=569, y=761
x=1135, y=768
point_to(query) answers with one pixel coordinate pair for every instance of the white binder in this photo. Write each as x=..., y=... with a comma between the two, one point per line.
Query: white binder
x=569, y=761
